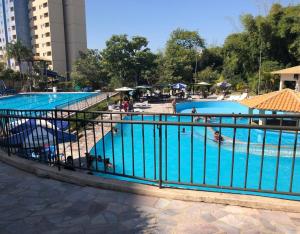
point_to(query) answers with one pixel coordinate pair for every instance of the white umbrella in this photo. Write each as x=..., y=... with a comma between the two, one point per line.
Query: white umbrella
x=224, y=84
x=124, y=89
x=204, y=83
x=143, y=87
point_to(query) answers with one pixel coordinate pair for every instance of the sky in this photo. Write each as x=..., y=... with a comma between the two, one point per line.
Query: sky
x=156, y=19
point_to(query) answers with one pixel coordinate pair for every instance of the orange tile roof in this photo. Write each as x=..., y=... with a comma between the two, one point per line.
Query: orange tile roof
x=291, y=70
x=286, y=100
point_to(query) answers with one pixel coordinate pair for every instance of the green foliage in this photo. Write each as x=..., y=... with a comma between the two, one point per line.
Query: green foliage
x=128, y=61
x=180, y=55
x=18, y=51
x=208, y=75
x=88, y=70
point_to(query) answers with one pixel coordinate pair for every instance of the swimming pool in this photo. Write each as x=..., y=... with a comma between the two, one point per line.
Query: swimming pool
x=40, y=101
x=193, y=157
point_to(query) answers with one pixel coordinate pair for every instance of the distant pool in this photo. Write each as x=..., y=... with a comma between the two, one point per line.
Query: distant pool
x=212, y=107
x=139, y=157
x=40, y=101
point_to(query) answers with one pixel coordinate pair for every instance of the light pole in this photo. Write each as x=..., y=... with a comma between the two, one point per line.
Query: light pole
x=259, y=70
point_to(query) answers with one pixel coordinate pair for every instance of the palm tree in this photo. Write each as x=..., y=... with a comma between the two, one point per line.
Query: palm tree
x=19, y=53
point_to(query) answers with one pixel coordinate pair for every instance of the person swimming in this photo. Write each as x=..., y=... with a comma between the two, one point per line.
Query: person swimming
x=105, y=161
x=194, y=111
x=218, y=137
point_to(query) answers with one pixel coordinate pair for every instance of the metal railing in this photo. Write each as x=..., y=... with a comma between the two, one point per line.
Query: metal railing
x=163, y=149
x=85, y=102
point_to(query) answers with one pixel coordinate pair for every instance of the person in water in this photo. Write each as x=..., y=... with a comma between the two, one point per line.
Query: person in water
x=218, y=137
x=194, y=111
x=183, y=130
x=105, y=161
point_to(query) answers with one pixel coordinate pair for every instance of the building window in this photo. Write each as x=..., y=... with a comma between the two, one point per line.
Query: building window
x=49, y=53
x=47, y=34
x=46, y=15
x=48, y=44
x=45, y=4
x=47, y=25
x=33, y=8
x=13, y=27
x=37, y=54
x=12, y=9
x=12, y=18
x=14, y=37
x=34, y=18
x=36, y=45
x=36, y=36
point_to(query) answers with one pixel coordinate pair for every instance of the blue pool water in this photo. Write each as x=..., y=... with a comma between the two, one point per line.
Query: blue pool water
x=141, y=158
x=39, y=101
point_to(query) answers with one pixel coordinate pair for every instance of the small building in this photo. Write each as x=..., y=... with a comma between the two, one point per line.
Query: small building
x=289, y=78
x=285, y=101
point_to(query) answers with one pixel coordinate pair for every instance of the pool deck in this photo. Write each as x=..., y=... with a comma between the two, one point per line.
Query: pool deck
x=31, y=204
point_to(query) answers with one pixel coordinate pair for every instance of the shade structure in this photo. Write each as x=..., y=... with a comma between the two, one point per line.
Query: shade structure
x=124, y=89
x=285, y=100
x=223, y=84
x=203, y=83
x=38, y=137
x=24, y=124
x=179, y=86
x=287, y=71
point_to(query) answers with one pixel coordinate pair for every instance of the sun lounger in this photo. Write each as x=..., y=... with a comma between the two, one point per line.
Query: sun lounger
x=233, y=98
x=142, y=105
x=243, y=96
x=221, y=97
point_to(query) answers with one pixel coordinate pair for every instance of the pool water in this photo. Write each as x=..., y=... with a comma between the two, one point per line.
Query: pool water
x=40, y=101
x=140, y=157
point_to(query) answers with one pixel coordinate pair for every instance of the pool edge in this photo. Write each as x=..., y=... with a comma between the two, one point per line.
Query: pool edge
x=82, y=179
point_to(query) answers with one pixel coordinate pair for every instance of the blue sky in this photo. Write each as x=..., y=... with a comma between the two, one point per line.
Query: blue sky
x=156, y=19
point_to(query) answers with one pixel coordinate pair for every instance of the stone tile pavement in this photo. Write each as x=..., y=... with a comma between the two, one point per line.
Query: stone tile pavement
x=29, y=204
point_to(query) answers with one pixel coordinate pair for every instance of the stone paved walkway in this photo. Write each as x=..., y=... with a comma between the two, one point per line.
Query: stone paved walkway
x=29, y=204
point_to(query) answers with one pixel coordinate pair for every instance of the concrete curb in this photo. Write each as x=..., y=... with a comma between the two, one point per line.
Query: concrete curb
x=147, y=190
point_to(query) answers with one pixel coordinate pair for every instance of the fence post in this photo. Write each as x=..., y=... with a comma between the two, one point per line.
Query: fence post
x=56, y=139
x=6, y=129
x=160, y=153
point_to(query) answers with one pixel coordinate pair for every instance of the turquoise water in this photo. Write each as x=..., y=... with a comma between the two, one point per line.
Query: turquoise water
x=40, y=101
x=192, y=167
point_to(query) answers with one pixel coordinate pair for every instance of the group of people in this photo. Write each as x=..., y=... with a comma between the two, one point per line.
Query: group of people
x=126, y=105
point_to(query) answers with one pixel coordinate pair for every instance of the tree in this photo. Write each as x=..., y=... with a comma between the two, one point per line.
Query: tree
x=88, y=70
x=182, y=51
x=128, y=61
x=19, y=53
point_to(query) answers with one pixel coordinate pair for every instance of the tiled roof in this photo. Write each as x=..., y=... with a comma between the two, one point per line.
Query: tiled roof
x=291, y=70
x=286, y=100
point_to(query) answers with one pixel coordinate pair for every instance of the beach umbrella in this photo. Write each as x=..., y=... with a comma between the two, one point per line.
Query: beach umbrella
x=179, y=86
x=124, y=89
x=203, y=83
x=223, y=84
x=143, y=87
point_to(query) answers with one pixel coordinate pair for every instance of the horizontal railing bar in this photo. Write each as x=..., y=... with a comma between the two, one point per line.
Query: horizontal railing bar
x=196, y=124
x=171, y=114
x=232, y=188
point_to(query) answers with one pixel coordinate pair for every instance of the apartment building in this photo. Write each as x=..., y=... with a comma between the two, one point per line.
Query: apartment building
x=14, y=25
x=55, y=30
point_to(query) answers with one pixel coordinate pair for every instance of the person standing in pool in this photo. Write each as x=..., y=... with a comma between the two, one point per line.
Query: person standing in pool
x=174, y=106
